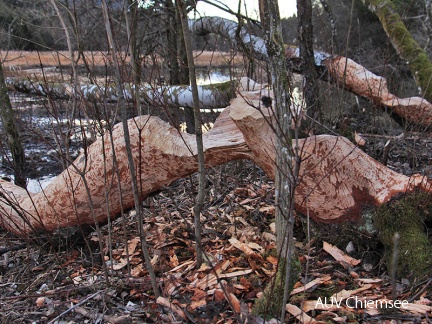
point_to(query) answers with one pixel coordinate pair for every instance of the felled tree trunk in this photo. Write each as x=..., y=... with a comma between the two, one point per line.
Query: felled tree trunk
x=160, y=152
x=341, y=70
x=339, y=183
x=415, y=111
x=336, y=178
x=210, y=96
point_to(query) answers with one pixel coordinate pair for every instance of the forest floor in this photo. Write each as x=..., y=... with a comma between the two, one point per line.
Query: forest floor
x=68, y=279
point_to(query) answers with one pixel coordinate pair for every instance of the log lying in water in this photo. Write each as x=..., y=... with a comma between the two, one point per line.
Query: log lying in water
x=211, y=96
x=336, y=178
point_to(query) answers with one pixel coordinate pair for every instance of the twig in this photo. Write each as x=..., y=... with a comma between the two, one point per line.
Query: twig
x=421, y=291
x=386, y=151
x=13, y=248
x=75, y=306
x=400, y=136
x=394, y=264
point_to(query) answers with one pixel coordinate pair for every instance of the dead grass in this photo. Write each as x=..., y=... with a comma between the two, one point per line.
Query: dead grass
x=22, y=59
x=217, y=59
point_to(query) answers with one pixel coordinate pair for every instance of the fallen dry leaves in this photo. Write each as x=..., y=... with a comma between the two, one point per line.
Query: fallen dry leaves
x=239, y=244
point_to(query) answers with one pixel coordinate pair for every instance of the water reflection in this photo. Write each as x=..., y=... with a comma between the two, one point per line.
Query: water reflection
x=40, y=125
x=211, y=76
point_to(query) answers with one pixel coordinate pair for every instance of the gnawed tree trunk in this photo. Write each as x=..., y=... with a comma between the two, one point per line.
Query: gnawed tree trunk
x=336, y=178
x=338, y=183
x=343, y=71
x=160, y=153
x=415, y=111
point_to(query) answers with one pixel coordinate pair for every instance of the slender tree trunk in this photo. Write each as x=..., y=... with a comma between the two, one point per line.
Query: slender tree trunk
x=173, y=39
x=184, y=75
x=284, y=182
x=198, y=131
x=135, y=189
x=65, y=135
x=310, y=74
x=407, y=48
x=12, y=133
x=131, y=28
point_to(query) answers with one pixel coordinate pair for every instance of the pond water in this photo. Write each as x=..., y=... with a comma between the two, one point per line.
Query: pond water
x=206, y=76
x=41, y=124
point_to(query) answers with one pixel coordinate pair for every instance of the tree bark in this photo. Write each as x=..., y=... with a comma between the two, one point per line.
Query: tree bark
x=310, y=74
x=12, y=132
x=184, y=77
x=286, y=166
x=131, y=159
x=405, y=45
x=337, y=180
x=199, y=201
x=210, y=96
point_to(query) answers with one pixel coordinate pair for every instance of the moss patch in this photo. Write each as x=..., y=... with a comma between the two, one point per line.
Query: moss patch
x=227, y=89
x=405, y=45
x=270, y=304
x=407, y=217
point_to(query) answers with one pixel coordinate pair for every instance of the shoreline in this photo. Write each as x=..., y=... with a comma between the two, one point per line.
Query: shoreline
x=19, y=60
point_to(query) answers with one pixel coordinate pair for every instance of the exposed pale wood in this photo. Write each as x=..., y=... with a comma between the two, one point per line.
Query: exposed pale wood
x=338, y=69
x=337, y=179
x=344, y=259
x=301, y=316
x=357, y=79
x=160, y=152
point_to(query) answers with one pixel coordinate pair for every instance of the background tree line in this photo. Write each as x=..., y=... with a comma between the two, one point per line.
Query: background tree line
x=344, y=27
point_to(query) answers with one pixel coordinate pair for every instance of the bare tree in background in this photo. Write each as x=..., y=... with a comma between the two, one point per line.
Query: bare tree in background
x=177, y=57
x=310, y=74
x=132, y=170
x=198, y=131
x=12, y=133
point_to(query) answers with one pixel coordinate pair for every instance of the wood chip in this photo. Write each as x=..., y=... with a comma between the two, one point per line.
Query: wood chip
x=310, y=284
x=241, y=246
x=299, y=314
x=417, y=308
x=234, y=302
x=343, y=294
x=344, y=259
x=310, y=305
x=165, y=302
